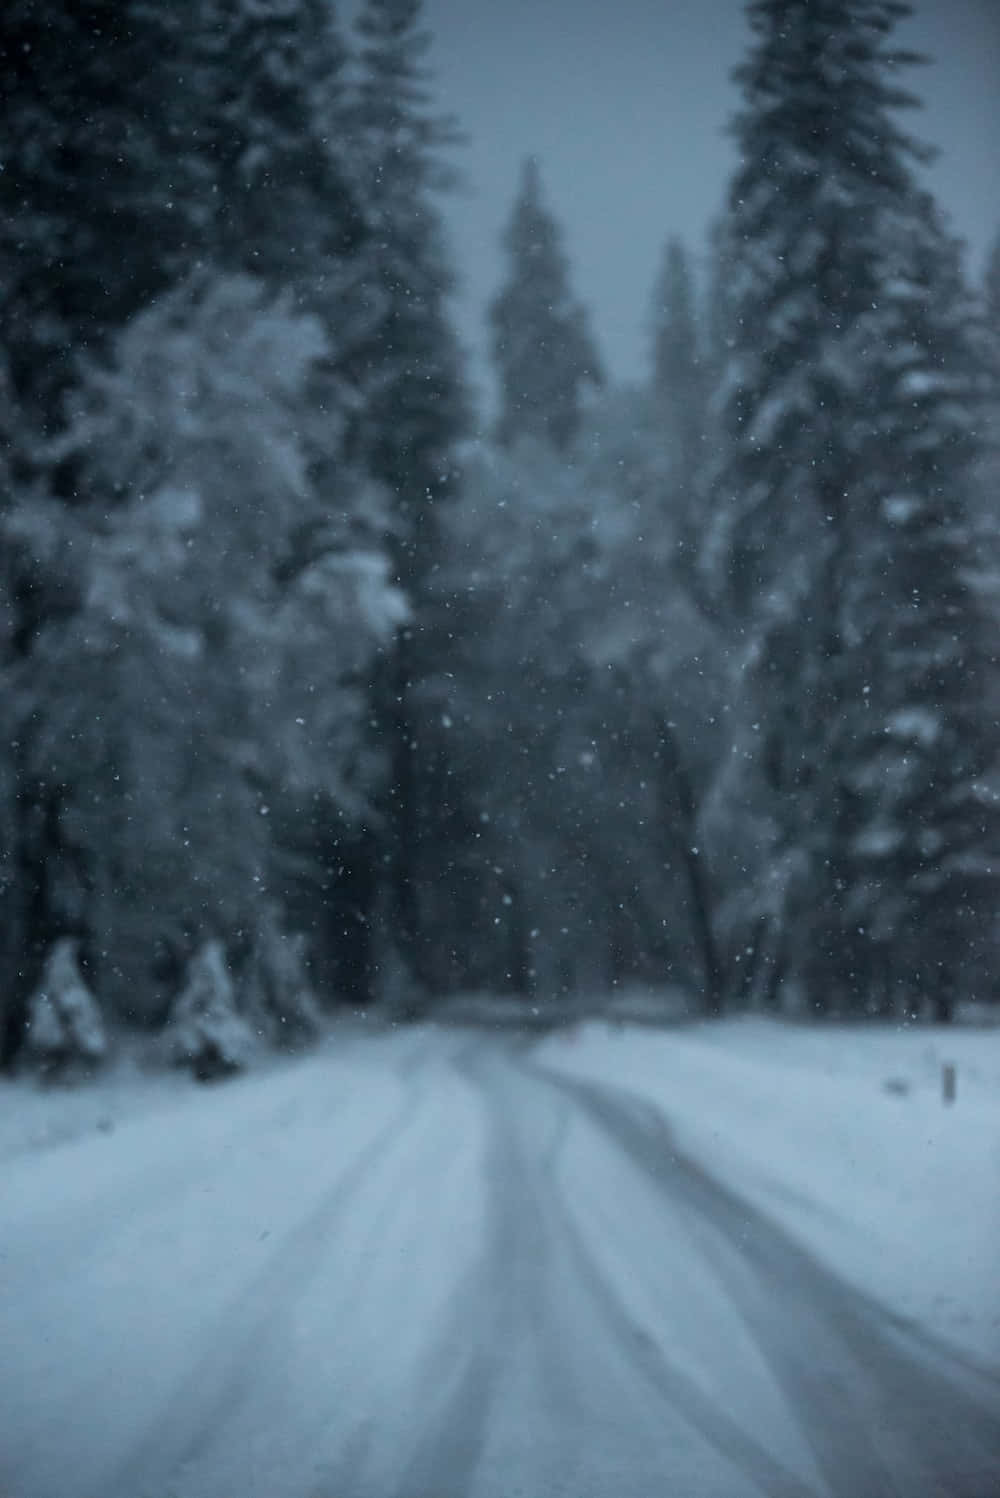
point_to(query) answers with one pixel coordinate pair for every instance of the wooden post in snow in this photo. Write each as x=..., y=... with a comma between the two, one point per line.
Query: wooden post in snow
x=948, y=1083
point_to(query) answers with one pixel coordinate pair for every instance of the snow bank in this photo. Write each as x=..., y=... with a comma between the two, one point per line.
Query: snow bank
x=195, y=1302
x=135, y=1084
x=841, y=1134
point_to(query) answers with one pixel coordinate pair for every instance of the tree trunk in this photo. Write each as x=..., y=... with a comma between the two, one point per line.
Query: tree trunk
x=944, y=1008
x=676, y=783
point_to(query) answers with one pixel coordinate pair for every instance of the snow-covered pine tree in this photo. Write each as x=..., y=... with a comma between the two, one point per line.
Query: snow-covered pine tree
x=410, y=411
x=94, y=211
x=990, y=477
x=206, y=1032
x=840, y=544
x=406, y=363
x=991, y=292
x=258, y=111
x=202, y=686
x=144, y=140
x=543, y=353
x=92, y=221
x=141, y=141
x=66, y=1038
x=720, y=315
x=278, y=997
x=570, y=813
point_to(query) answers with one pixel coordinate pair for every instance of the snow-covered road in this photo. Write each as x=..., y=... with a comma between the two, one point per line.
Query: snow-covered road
x=429, y=1265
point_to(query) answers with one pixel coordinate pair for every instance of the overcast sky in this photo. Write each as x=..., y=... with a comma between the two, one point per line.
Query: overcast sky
x=625, y=104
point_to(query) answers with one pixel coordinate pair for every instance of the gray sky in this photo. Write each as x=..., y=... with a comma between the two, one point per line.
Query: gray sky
x=625, y=103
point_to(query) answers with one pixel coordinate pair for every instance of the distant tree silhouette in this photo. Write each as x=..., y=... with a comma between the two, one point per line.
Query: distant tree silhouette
x=544, y=355
x=681, y=391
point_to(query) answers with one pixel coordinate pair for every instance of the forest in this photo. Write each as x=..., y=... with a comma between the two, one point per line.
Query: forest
x=323, y=689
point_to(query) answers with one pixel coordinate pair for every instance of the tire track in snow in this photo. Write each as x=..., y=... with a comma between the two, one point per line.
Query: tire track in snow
x=539, y=1326
x=217, y=1385
x=882, y=1420
x=651, y=1365
x=673, y=1385
x=534, y=1243
x=490, y=1319
x=464, y=1359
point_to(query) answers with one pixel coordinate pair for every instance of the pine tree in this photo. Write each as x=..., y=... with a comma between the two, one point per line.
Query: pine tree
x=720, y=314
x=259, y=115
x=991, y=360
x=143, y=141
x=405, y=366
x=198, y=684
x=678, y=362
x=406, y=363
x=991, y=291
x=680, y=390
x=543, y=352
x=571, y=804
x=66, y=1034
x=841, y=545
x=96, y=211
x=146, y=145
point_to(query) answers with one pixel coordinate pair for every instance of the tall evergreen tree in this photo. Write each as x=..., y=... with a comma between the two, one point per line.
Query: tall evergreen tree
x=680, y=391
x=406, y=364
x=987, y=485
x=144, y=145
x=573, y=800
x=543, y=352
x=719, y=302
x=991, y=287
x=96, y=210
x=679, y=375
x=258, y=113
x=88, y=231
x=143, y=141
x=197, y=703
x=841, y=545
x=991, y=351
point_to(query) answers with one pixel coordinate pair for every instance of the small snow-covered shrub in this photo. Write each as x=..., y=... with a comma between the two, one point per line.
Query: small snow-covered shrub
x=398, y=992
x=280, y=1002
x=204, y=1031
x=65, y=1036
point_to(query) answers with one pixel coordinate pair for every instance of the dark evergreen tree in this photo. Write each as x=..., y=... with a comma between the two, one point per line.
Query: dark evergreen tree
x=680, y=393
x=543, y=352
x=146, y=144
x=96, y=205
x=406, y=364
x=720, y=298
x=991, y=358
x=679, y=369
x=570, y=795
x=841, y=546
x=991, y=289
x=198, y=700
x=87, y=232
x=258, y=113
x=142, y=142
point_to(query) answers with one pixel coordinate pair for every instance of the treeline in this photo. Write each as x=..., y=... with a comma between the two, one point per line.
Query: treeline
x=313, y=699
x=230, y=396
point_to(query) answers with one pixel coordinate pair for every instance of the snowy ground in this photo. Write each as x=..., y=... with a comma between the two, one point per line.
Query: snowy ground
x=840, y=1133
x=445, y=1264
